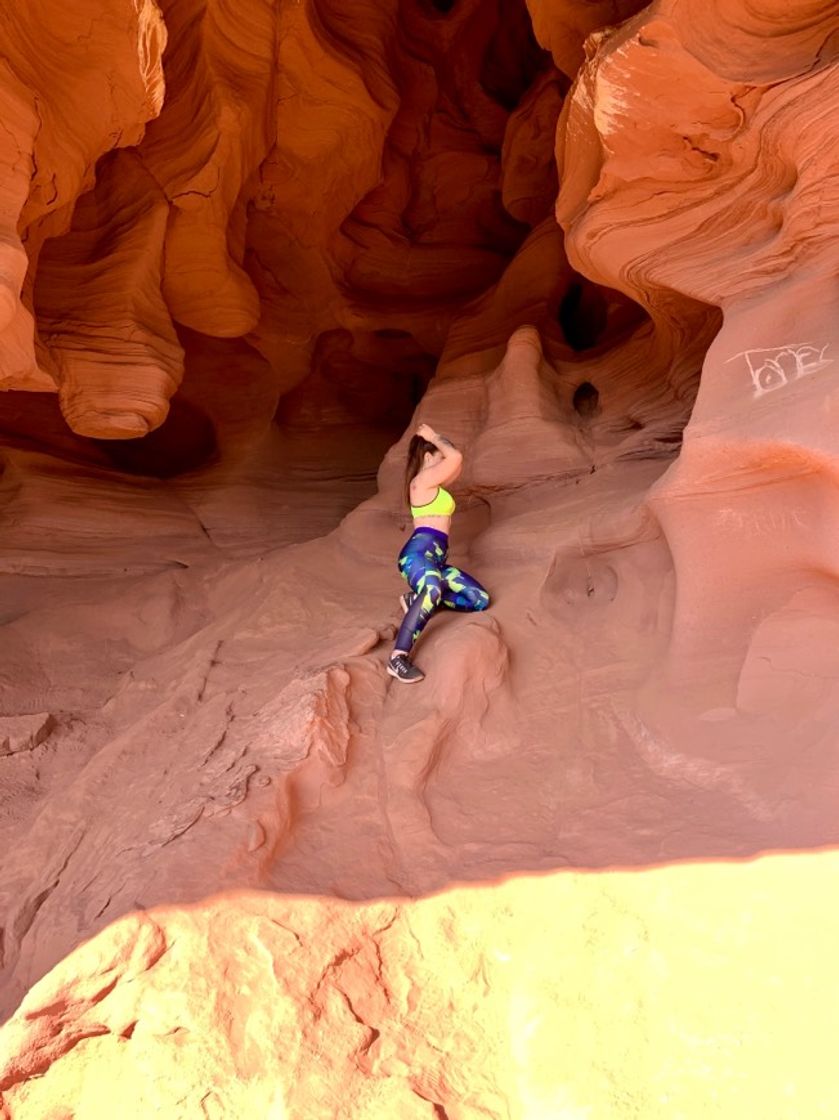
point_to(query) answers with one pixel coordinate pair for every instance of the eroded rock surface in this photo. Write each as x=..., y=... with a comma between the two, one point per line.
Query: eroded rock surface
x=584, y=869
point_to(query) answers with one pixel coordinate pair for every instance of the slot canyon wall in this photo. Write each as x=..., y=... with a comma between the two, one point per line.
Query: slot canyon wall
x=584, y=870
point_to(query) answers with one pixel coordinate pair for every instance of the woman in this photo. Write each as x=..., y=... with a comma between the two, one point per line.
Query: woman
x=432, y=461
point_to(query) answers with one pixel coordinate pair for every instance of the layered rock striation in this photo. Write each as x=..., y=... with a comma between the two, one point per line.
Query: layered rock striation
x=583, y=869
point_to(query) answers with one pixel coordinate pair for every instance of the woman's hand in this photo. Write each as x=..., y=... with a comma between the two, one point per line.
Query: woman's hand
x=445, y=446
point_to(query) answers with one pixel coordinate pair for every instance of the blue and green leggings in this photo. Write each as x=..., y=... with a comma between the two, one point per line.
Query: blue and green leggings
x=435, y=583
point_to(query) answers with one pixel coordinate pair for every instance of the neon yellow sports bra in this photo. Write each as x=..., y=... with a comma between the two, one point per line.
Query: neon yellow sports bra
x=441, y=505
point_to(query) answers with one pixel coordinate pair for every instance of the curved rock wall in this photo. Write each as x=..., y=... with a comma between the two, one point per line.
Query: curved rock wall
x=719, y=188
x=584, y=869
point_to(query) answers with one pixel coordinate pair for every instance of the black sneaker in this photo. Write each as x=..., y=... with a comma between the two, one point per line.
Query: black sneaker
x=400, y=667
x=406, y=600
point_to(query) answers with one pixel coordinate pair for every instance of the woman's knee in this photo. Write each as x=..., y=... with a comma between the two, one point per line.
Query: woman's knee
x=473, y=599
x=429, y=590
x=481, y=599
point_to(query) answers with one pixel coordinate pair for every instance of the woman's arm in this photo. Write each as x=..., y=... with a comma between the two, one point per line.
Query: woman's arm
x=445, y=446
x=439, y=474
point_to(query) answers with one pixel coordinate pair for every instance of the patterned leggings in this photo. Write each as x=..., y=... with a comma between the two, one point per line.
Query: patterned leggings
x=422, y=563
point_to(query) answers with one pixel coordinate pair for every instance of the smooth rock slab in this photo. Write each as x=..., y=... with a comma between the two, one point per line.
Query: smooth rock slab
x=24, y=733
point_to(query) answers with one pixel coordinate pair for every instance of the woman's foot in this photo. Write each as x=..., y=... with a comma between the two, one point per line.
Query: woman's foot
x=400, y=667
x=405, y=601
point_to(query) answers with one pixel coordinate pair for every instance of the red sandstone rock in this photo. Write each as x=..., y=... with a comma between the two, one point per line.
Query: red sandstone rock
x=68, y=97
x=749, y=124
x=21, y=733
x=244, y=873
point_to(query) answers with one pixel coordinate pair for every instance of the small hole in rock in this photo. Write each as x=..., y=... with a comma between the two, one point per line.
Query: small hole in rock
x=583, y=316
x=586, y=399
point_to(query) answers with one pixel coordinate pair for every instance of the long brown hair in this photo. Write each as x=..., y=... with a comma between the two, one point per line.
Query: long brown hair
x=416, y=453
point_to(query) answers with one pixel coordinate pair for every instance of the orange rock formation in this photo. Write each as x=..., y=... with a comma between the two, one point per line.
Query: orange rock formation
x=584, y=870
